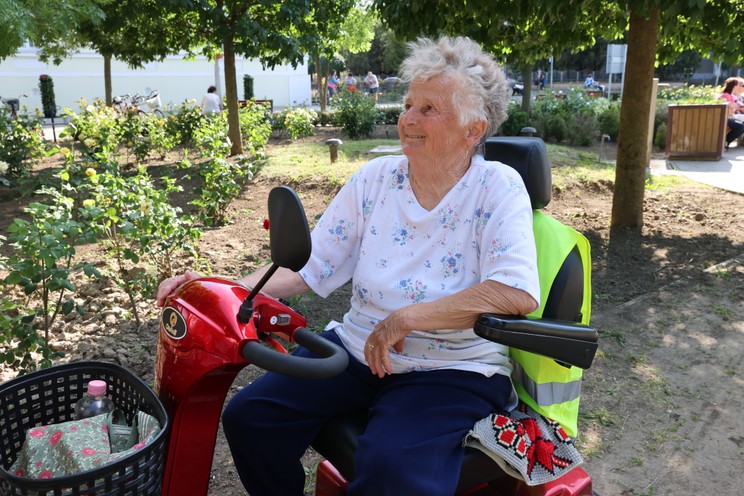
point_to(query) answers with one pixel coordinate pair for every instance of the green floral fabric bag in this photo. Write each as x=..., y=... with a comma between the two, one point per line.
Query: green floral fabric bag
x=80, y=445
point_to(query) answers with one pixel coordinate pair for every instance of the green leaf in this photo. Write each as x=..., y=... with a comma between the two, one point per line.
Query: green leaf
x=68, y=306
x=13, y=278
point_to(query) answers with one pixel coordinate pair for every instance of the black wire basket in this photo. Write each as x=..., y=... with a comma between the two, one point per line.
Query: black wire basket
x=48, y=397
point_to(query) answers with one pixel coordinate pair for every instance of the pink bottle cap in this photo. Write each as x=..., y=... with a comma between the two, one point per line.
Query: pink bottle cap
x=97, y=388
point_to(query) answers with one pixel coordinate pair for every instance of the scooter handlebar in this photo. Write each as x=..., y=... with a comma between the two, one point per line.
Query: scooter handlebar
x=334, y=358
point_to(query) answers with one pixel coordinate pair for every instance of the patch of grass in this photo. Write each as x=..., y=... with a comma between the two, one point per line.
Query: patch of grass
x=302, y=161
x=599, y=415
x=618, y=336
x=724, y=311
x=668, y=182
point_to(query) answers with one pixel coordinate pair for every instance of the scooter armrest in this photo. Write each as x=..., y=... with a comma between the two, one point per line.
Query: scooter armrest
x=567, y=342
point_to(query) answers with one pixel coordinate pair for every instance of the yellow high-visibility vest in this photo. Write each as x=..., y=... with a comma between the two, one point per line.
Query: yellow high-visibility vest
x=548, y=387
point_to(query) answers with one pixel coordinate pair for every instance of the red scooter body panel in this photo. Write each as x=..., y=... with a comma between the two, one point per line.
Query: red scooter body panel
x=198, y=356
x=330, y=482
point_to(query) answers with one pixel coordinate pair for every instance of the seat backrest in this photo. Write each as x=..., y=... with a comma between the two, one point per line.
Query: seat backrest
x=529, y=157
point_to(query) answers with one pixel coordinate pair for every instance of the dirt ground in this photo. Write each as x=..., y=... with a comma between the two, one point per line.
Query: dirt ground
x=660, y=406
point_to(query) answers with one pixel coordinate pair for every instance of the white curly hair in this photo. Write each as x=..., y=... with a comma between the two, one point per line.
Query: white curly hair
x=484, y=92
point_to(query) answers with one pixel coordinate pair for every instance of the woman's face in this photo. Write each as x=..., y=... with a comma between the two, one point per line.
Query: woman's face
x=429, y=126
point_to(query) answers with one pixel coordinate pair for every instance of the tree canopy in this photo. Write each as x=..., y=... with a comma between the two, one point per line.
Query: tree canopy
x=43, y=21
x=273, y=32
x=530, y=29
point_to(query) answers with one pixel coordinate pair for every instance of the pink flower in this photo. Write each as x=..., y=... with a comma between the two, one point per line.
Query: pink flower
x=37, y=433
x=20, y=472
x=46, y=474
x=89, y=451
x=140, y=445
x=105, y=428
x=73, y=428
x=55, y=438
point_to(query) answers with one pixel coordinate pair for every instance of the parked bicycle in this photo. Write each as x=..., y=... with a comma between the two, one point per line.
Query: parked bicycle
x=122, y=103
x=13, y=105
x=140, y=104
x=152, y=103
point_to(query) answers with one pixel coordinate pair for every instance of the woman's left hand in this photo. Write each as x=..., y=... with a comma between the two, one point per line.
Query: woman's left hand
x=390, y=332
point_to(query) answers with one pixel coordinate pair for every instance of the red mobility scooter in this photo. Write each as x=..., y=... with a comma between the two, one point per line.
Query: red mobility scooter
x=212, y=328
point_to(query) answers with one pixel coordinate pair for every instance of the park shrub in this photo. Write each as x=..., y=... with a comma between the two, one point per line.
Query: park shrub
x=389, y=115
x=41, y=265
x=133, y=135
x=161, y=141
x=357, y=113
x=609, y=120
x=298, y=122
x=516, y=120
x=97, y=127
x=255, y=126
x=660, y=136
x=328, y=118
x=582, y=128
x=46, y=88
x=183, y=121
x=21, y=142
x=210, y=136
x=19, y=337
x=687, y=94
x=221, y=182
x=134, y=220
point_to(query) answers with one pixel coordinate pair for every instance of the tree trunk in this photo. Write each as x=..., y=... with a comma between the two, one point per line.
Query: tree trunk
x=231, y=96
x=527, y=83
x=107, y=80
x=322, y=82
x=632, y=156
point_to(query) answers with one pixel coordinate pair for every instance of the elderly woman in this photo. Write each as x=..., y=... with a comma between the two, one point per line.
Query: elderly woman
x=431, y=240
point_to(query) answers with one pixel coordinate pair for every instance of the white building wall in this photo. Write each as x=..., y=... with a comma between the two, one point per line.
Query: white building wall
x=177, y=80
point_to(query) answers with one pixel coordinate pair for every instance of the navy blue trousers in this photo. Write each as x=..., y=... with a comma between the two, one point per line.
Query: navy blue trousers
x=412, y=444
x=736, y=129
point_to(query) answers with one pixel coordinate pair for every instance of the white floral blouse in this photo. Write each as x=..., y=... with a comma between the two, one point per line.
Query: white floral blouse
x=397, y=253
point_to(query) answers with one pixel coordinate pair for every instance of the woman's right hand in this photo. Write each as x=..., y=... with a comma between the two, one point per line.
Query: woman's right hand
x=169, y=285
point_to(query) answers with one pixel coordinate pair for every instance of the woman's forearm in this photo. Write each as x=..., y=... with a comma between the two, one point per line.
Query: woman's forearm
x=283, y=284
x=461, y=310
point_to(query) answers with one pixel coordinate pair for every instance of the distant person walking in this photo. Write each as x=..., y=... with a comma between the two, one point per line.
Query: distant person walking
x=211, y=102
x=373, y=86
x=332, y=84
x=351, y=83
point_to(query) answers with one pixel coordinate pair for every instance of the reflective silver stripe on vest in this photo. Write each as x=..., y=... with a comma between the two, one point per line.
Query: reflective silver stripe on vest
x=549, y=393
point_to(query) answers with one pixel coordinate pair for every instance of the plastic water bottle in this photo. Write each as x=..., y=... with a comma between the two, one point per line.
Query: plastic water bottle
x=94, y=402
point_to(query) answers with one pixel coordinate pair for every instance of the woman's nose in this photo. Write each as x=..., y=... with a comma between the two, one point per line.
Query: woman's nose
x=408, y=116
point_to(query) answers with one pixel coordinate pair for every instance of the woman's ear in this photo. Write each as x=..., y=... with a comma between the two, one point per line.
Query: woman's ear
x=476, y=130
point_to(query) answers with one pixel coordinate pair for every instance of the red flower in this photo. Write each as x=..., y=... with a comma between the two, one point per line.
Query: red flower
x=266, y=224
x=46, y=474
x=37, y=433
x=55, y=438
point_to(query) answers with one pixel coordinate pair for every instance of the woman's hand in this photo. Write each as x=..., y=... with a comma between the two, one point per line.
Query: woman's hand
x=390, y=332
x=169, y=285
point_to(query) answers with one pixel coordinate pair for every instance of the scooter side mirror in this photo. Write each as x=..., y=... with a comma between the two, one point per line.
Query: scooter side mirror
x=288, y=229
x=289, y=239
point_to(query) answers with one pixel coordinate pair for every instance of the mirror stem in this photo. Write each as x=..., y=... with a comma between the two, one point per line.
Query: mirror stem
x=246, y=308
